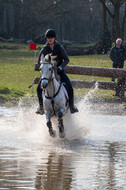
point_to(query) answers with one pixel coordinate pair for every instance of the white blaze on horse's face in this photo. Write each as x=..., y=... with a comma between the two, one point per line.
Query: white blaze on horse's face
x=46, y=74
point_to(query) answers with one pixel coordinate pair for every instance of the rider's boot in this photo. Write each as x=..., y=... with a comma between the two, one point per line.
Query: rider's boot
x=73, y=108
x=40, y=110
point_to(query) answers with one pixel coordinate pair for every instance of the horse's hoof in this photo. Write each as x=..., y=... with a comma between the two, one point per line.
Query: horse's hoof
x=52, y=133
x=62, y=134
x=49, y=124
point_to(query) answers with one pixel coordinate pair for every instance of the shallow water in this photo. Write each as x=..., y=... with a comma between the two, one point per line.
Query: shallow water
x=92, y=156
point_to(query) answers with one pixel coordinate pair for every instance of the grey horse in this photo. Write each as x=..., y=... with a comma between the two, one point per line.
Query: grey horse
x=55, y=100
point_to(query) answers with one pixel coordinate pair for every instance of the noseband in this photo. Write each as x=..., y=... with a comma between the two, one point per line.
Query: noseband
x=50, y=78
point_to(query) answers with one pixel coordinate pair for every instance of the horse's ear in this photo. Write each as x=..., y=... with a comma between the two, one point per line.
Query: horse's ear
x=48, y=57
x=54, y=57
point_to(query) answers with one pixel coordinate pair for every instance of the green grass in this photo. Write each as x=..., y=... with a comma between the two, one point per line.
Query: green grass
x=16, y=72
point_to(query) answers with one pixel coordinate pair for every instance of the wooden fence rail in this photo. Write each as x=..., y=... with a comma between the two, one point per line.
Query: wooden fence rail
x=93, y=71
x=89, y=84
x=96, y=71
x=99, y=72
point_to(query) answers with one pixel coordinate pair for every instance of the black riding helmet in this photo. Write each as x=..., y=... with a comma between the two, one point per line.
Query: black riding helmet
x=50, y=33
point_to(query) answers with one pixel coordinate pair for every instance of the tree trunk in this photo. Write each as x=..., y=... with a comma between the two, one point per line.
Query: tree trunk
x=115, y=15
x=104, y=17
x=116, y=24
x=123, y=23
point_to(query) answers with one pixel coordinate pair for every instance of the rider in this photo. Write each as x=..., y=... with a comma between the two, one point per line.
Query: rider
x=55, y=48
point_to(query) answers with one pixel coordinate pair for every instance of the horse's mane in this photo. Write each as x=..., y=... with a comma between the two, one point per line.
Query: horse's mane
x=52, y=60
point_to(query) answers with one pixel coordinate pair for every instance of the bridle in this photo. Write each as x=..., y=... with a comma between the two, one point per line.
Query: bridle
x=49, y=80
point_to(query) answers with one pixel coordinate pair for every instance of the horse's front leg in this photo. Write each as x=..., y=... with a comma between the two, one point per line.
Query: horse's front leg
x=60, y=123
x=49, y=124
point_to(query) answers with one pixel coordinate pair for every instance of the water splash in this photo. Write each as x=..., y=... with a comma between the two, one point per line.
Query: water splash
x=29, y=155
x=85, y=102
x=24, y=127
x=32, y=126
x=80, y=121
x=76, y=125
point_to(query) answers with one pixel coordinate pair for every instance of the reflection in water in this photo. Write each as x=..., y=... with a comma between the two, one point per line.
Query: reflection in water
x=112, y=149
x=89, y=167
x=55, y=174
x=106, y=167
x=16, y=169
x=110, y=168
x=30, y=159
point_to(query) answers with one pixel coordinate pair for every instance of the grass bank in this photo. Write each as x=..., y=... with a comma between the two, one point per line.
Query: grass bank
x=16, y=72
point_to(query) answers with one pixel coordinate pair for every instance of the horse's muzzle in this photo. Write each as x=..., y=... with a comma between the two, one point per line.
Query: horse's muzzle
x=44, y=84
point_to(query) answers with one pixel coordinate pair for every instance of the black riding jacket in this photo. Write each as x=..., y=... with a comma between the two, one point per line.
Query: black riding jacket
x=118, y=55
x=58, y=50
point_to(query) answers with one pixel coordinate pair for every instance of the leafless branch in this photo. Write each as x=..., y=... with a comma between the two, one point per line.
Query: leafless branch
x=112, y=1
x=123, y=1
x=107, y=9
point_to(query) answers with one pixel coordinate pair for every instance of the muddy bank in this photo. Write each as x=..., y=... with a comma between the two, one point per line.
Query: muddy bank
x=110, y=108
x=8, y=102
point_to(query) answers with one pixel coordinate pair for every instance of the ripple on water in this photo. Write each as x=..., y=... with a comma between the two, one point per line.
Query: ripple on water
x=91, y=157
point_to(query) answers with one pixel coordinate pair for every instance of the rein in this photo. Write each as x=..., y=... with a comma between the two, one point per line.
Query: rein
x=49, y=80
x=51, y=98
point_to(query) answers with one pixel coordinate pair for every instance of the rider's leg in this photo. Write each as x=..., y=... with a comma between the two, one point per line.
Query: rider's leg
x=66, y=80
x=121, y=65
x=40, y=99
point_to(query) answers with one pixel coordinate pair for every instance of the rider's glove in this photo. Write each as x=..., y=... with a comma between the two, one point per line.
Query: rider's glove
x=59, y=69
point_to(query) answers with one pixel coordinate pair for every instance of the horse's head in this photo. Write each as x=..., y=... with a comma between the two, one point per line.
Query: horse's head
x=47, y=69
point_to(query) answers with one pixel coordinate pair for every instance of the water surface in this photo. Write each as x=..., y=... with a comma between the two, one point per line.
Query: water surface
x=92, y=156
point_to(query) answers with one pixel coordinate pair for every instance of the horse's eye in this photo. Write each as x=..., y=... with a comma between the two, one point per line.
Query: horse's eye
x=49, y=69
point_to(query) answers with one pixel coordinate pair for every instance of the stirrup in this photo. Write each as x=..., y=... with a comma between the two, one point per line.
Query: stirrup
x=40, y=111
x=74, y=109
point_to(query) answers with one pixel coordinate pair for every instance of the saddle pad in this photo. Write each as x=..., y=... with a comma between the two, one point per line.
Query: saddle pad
x=65, y=91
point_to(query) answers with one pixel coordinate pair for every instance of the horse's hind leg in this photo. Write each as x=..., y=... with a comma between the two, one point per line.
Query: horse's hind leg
x=60, y=125
x=49, y=124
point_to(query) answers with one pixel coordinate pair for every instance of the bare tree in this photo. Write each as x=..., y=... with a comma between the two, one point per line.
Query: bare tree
x=9, y=18
x=113, y=8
